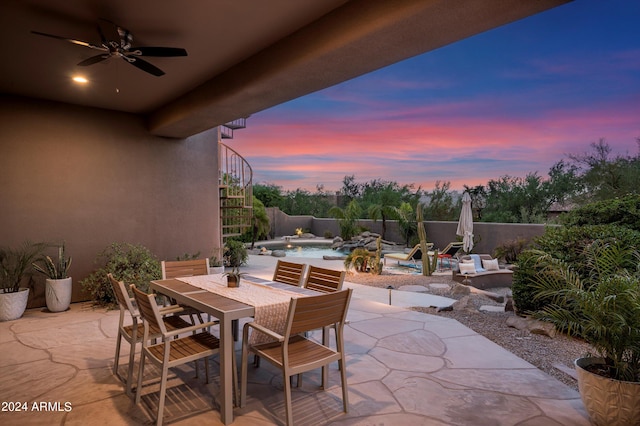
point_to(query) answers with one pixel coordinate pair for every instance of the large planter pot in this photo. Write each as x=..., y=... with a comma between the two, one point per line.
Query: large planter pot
x=12, y=305
x=608, y=402
x=216, y=269
x=58, y=294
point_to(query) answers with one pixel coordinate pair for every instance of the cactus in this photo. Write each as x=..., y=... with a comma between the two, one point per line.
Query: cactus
x=428, y=266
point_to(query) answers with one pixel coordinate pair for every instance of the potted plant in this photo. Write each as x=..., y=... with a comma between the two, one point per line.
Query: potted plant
x=235, y=253
x=603, y=309
x=215, y=265
x=58, y=285
x=233, y=277
x=15, y=265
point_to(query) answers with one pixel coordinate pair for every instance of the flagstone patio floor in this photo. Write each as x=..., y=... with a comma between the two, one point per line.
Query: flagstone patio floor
x=403, y=368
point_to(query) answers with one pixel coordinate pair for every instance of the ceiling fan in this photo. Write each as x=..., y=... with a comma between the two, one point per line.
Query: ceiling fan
x=122, y=48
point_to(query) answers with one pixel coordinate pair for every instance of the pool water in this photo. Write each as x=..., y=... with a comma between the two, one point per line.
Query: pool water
x=313, y=251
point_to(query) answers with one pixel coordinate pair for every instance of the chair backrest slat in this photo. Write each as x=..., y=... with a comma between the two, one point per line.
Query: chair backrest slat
x=184, y=268
x=148, y=309
x=324, y=280
x=289, y=272
x=314, y=312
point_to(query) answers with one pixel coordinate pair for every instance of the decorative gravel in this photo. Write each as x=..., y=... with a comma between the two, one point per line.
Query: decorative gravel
x=542, y=351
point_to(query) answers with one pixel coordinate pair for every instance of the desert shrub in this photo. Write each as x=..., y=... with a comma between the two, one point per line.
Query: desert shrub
x=133, y=264
x=624, y=211
x=566, y=244
x=510, y=250
x=328, y=234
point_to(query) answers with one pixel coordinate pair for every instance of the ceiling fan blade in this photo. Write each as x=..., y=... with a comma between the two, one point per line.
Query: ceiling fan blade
x=158, y=51
x=71, y=40
x=93, y=60
x=144, y=66
x=103, y=39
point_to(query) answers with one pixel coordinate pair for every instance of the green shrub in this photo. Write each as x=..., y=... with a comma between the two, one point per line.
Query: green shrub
x=603, y=309
x=566, y=244
x=328, y=234
x=235, y=253
x=523, y=288
x=133, y=264
x=624, y=211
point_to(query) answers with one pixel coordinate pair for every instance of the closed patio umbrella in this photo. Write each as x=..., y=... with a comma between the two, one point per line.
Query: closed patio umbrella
x=465, y=224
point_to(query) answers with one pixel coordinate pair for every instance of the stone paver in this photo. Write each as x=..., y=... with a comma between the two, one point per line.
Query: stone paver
x=403, y=367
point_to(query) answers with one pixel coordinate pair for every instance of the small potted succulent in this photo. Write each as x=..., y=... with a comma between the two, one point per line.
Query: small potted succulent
x=233, y=277
x=58, y=285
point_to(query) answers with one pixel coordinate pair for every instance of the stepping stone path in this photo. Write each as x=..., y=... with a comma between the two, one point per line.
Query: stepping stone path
x=491, y=308
x=437, y=286
x=414, y=288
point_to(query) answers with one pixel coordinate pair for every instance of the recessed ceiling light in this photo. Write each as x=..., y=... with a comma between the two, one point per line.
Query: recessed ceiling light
x=80, y=79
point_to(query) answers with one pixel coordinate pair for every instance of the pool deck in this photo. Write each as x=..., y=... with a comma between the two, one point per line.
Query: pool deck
x=403, y=368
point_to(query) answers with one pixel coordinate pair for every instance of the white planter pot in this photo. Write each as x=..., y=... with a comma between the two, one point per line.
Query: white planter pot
x=12, y=305
x=608, y=402
x=58, y=294
x=216, y=269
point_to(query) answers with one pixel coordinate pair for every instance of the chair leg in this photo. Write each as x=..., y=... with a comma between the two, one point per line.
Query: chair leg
x=287, y=399
x=343, y=379
x=116, y=361
x=132, y=354
x=140, y=374
x=163, y=392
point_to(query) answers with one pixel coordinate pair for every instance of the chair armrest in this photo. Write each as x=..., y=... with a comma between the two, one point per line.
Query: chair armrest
x=171, y=309
x=265, y=330
x=189, y=329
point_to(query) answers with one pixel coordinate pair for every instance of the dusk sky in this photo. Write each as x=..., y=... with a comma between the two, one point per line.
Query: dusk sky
x=509, y=101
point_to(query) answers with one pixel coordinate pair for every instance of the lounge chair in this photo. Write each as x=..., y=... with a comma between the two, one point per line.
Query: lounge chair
x=415, y=253
x=447, y=253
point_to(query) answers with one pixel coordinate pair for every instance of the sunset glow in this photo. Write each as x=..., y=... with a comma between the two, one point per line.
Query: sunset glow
x=510, y=101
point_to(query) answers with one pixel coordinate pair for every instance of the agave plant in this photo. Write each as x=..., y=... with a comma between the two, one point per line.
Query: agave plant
x=603, y=308
x=57, y=269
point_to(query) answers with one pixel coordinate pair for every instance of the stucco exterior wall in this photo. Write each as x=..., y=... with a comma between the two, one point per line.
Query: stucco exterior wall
x=93, y=177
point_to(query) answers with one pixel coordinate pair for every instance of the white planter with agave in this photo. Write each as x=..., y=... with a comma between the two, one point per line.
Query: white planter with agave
x=609, y=402
x=58, y=294
x=13, y=305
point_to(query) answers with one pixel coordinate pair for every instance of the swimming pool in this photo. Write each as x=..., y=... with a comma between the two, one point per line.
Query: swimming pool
x=314, y=250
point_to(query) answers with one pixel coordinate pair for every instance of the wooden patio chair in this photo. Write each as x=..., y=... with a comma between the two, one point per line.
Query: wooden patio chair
x=289, y=273
x=186, y=268
x=172, y=350
x=134, y=332
x=324, y=280
x=292, y=352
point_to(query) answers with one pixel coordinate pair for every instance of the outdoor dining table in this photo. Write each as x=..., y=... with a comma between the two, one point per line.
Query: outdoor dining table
x=209, y=294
